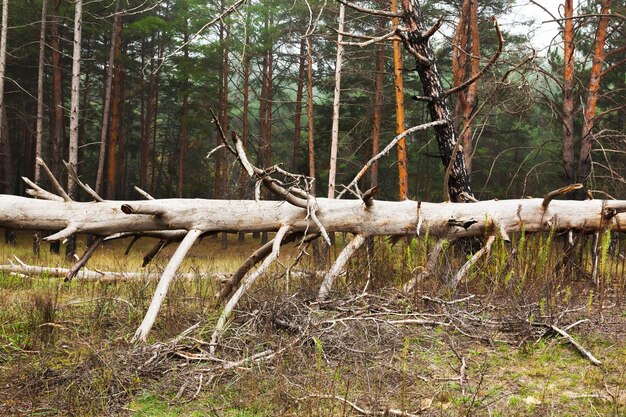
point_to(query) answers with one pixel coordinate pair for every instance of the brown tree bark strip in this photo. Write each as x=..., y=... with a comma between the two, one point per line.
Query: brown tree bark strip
x=569, y=174
x=459, y=59
x=378, y=104
x=403, y=176
x=470, y=98
x=584, y=162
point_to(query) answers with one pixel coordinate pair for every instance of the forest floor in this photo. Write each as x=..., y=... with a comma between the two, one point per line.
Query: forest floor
x=486, y=349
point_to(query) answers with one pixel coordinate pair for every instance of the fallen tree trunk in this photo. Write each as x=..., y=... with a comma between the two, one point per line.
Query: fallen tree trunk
x=381, y=218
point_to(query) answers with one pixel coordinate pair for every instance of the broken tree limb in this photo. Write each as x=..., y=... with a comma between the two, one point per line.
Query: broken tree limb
x=472, y=261
x=164, y=283
x=83, y=259
x=339, y=264
x=228, y=309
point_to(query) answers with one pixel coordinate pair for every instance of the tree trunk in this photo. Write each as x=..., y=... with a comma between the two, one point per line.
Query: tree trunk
x=184, y=111
x=40, y=76
x=378, y=105
x=112, y=166
x=584, y=162
x=350, y=216
x=334, y=133
x=309, y=107
x=72, y=189
x=297, y=131
x=569, y=174
x=470, y=99
x=58, y=133
x=437, y=103
x=4, y=140
x=403, y=177
x=106, y=105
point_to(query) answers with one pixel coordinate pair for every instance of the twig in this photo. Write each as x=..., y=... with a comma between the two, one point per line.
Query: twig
x=385, y=151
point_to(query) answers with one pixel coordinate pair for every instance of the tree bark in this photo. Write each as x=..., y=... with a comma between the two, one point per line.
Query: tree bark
x=183, y=136
x=403, y=176
x=334, y=133
x=349, y=216
x=4, y=140
x=584, y=162
x=106, y=105
x=569, y=174
x=114, y=134
x=417, y=44
x=309, y=107
x=40, y=76
x=297, y=130
x=378, y=104
x=75, y=98
x=58, y=136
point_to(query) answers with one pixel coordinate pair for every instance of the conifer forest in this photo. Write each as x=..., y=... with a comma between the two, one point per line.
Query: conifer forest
x=313, y=208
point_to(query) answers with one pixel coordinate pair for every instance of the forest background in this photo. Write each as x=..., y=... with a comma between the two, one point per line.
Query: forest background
x=146, y=118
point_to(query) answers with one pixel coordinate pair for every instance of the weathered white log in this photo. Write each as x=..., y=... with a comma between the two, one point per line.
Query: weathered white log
x=159, y=295
x=351, y=216
x=105, y=276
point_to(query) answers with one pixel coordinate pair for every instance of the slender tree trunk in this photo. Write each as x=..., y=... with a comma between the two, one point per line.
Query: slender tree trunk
x=39, y=123
x=224, y=106
x=4, y=140
x=72, y=189
x=123, y=169
x=470, y=98
x=297, y=131
x=378, y=101
x=106, y=105
x=245, y=132
x=183, y=138
x=58, y=136
x=112, y=166
x=584, y=163
x=403, y=177
x=569, y=176
x=459, y=181
x=309, y=109
x=334, y=133
x=459, y=59
x=40, y=76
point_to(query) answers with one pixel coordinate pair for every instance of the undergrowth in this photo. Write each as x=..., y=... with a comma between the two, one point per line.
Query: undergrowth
x=64, y=347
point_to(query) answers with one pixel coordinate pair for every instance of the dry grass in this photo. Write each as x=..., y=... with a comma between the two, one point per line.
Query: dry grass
x=64, y=348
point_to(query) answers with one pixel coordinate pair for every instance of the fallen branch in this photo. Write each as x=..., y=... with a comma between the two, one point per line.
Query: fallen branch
x=363, y=411
x=571, y=340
